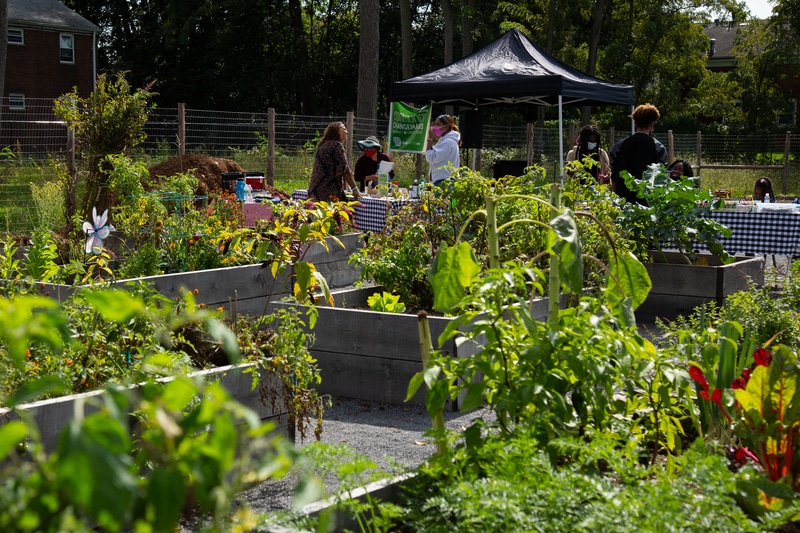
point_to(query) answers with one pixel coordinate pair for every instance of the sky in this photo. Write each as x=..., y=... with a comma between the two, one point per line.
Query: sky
x=759, y=8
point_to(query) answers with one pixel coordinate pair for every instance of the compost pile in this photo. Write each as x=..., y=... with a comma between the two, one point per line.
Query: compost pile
x=208, y=171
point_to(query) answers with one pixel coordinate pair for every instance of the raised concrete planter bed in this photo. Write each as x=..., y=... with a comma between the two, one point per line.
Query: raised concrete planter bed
x=679, y=287
x=244, y=289
x=53, y=414
x=373, y=355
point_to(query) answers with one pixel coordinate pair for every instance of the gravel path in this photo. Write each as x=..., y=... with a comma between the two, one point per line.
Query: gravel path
x=389, y=434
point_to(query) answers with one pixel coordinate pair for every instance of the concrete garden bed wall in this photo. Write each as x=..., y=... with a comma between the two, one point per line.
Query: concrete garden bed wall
x=679, y=287
x=53, y=414
x=373, y=355
x=245, y=289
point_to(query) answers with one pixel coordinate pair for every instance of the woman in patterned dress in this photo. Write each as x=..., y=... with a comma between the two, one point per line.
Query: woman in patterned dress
x=331, y=173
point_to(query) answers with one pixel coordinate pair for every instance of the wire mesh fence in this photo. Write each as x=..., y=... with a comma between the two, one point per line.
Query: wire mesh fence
x=32, y=132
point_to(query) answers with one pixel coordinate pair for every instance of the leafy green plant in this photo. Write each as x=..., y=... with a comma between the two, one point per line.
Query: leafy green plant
x=386, y=302
x=186, y=452
x=674, y=211
x=516, y=485
x=762, y=405
x=48, y=197
x=110, y=121
x=279, y=347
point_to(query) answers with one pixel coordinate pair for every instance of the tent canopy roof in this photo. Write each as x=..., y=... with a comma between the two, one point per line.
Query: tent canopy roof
x=510, y=70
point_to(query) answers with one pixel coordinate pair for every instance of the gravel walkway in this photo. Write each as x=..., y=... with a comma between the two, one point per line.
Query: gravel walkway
x=391, y=435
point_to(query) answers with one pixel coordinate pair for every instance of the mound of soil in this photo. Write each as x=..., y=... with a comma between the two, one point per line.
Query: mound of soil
x=208, y=171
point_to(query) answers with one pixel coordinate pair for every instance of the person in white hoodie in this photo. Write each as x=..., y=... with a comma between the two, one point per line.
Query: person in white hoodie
x=443, y=156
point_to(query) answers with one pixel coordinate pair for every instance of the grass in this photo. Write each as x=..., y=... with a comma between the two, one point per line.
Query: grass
x=293, y=171
x=741, y=181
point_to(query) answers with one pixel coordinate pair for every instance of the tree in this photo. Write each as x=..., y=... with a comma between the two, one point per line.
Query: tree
x=762, y=57
x=110, y=121
x=3, y=44
x=369, y=41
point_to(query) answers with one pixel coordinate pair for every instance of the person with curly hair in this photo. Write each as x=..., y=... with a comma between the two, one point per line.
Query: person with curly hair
x=331, y=172
x=637, y=151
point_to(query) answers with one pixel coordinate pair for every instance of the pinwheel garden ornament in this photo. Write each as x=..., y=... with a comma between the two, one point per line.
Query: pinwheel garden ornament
x=96, y=231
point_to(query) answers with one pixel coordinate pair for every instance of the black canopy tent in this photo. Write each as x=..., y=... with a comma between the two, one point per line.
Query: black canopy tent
x=511, y=70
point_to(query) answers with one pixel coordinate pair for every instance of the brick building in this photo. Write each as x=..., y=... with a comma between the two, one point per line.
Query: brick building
x=51, y=50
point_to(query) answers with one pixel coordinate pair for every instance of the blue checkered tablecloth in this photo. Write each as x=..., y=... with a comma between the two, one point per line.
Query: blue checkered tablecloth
x=763, y=233
x=370, y=214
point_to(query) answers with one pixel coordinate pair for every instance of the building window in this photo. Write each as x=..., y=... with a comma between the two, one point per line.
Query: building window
x=67, y=48
x=16, y=102
x=16, y=36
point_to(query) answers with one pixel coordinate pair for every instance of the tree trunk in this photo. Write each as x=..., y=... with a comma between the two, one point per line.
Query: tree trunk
x=449, y=31
x=368, y=61
x=406, y=45
x=594, y=44
x=303, y=93
x=3, y=48
x=467, y=26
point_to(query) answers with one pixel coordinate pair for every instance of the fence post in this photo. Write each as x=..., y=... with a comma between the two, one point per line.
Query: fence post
x=671, y=144
x=70, y=194
x=181, y=129
x=611, y=133
x=699, y=148
x=71, y=152
x=787, y=144
x=349, y=147
x=529, y=142
x=271, y=147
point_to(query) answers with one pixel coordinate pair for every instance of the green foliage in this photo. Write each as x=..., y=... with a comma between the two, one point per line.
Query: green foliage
x=41, y=258
x=110, y=121
x=191, y=450
x=386, y=302
x=48, y=197
x=554, y=380
x=514, y=485
x=188, y=450
x=279, y=346
x=675, y=211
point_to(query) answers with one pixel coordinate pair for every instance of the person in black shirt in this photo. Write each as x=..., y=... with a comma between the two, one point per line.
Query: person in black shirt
x=636, y=152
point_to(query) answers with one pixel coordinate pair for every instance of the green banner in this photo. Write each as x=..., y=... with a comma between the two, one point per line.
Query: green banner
x=408, y=127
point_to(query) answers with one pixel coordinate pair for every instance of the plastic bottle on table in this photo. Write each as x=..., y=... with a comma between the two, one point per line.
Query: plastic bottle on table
x=421, y=186
x=248, y=193
x=767, y=198
x=415, y=189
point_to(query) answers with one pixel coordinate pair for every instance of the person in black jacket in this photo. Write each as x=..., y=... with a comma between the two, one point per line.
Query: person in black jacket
x=636, y=152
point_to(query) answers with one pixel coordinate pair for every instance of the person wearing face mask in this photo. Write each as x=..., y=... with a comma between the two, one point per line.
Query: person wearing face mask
x=443, y=156
x=366, y=169
x=588, y=145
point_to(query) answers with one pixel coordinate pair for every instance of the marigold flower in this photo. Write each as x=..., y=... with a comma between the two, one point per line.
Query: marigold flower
x=762, y=357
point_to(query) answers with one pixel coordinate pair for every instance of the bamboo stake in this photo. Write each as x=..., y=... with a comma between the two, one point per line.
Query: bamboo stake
x=554, y=290
x=426, y=347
